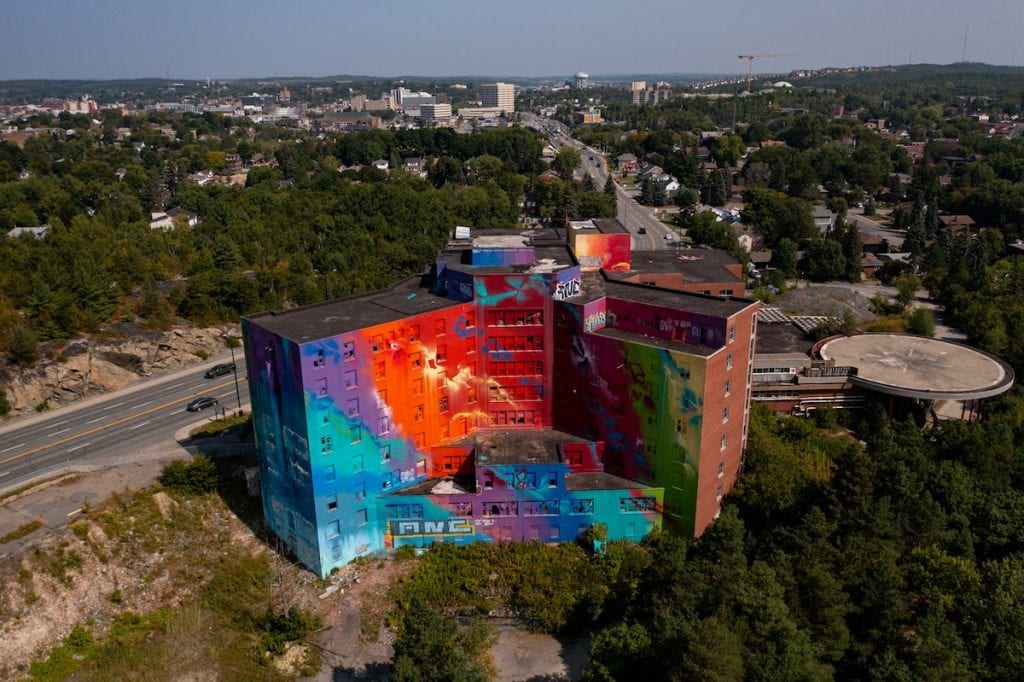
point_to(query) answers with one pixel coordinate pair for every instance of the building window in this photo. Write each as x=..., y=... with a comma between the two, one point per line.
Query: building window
x=350, y=378
x=352, y=406
x=439, y=327
x=325, y=445
x=321, y=387
x=378, y=343
x=360, y=492
x=378, y=370
x=417, y=386
x=333, y=529
x=579, y=507
x=442, y=378
x=442, y=404
x=552, y=480
x=414, y=332
x=357, y=434
x=471, y=394
x=417, y=415
x=508, y=508
x=382, y=399
x=362, y=518
x=325, y=417
x=383, y=425
x=724, y=441
x=416, y=360
x=329, y=473
x=404, y=511
x=332, y=503
x=637, y=504
x=728, y=361
x=442, y=353
x=725, y=414
x=385, y=452
x=732, y=330
x=357, y=464
x=348, y=350
x=719, y=493
x=554, y=533
x=728, y=386
x=318, y=360
x=721, y=469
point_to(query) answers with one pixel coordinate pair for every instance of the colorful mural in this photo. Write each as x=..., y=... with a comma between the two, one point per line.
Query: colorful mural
x=509, y=408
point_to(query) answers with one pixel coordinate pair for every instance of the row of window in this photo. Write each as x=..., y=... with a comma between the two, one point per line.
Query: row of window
x=516, y=393
x=513, y=417
x=514, y=318
x=519, y=368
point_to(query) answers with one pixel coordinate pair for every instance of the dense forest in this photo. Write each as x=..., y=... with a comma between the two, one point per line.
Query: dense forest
x=885, y=553
x=299, y=230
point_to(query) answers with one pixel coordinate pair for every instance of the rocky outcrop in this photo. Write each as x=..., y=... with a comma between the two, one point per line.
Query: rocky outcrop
x=85, y=367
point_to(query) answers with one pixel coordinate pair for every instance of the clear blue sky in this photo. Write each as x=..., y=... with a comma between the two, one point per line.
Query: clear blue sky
x=235, y=38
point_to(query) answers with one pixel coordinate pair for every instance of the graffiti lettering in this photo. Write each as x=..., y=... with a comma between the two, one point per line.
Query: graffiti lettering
x=567, y=289
x=599, y=320
x=668, y=325
x=415, y=527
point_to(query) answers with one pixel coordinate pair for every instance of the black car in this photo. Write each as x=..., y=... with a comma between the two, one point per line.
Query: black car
x=220, y=370
x=201, y=403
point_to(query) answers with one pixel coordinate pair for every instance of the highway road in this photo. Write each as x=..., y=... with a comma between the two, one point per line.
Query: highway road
x=648, y=233
x=115, y=425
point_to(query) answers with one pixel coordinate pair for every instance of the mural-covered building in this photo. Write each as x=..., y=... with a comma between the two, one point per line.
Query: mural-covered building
x=510, y=394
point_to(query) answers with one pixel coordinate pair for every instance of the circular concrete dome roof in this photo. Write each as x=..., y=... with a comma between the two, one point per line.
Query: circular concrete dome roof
x=919, y=367
x=581, y=74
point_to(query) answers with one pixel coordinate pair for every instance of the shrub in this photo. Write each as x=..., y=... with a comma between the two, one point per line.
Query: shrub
x=277, y=630
x=921, y=322
x=197, y=477
x=5, y=404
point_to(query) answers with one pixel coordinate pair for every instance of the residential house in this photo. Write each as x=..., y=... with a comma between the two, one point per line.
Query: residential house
x=954, y=224
x=38, y=232
x=168, y=220
x=626, y=163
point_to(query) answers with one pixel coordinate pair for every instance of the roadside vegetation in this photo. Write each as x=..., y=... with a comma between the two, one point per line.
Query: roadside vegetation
x=167, y=581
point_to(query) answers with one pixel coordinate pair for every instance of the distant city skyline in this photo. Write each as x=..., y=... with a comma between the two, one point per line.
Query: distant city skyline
x=107, y=39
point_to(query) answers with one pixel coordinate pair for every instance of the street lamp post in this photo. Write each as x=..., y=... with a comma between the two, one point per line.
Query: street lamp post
x=231, y=342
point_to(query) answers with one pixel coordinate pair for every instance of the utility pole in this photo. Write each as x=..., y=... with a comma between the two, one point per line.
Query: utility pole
x=232, y=342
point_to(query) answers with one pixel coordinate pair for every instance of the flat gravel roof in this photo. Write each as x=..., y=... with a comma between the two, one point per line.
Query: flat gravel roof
x=919, y=367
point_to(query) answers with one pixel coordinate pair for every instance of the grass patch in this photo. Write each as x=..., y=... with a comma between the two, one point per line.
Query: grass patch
x=895, y=324
x=221, y=427
x=59, y=479
x=61, y=562
x=22, y=531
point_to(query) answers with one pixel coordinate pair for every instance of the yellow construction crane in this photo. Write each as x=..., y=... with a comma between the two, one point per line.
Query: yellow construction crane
x=750, y=63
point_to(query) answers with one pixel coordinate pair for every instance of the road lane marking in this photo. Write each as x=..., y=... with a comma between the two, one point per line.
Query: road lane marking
x=97, y=419
x=137, y=426
x=110, y=407
x=79, y=447
x=61, y=431
x=13, y=447
x=144, y=404
x=104, y=427
x=72, y=513
x=6, y=473
x=61, y=423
